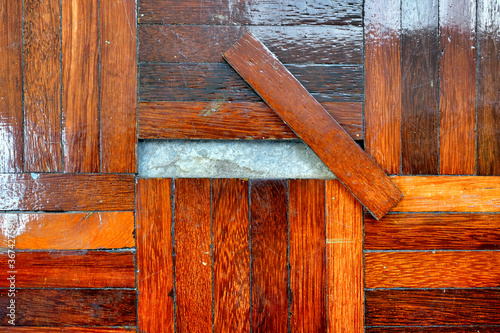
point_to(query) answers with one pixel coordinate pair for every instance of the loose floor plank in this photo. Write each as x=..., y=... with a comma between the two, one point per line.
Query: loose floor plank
x=307, y=255
x=193, y=262
x=310, y=121
x=42, y=86
x=344, y=232
x=269, y=275
x=231, y=248
x=155, y=267
x=66, y=192
x=238, y=120
x=383, y=83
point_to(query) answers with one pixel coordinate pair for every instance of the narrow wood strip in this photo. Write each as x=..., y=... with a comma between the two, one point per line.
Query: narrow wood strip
x=42, y=86
x=383, y=83
x=70, y=269
x=118, y=85
x=433, y=232
x=71, y=307
x=307, y=255
x=432, y=307
x=269, y=255
x=231, y=255
x=63, y=192
x=433, y=329
x=155, y=266
x=344, y=233
x=68, y=329
x=80, y=60
x=310, y=121
x=457, y=269
x=193, y=262
x=237, y=120
x=457, y=20
x=11, y=92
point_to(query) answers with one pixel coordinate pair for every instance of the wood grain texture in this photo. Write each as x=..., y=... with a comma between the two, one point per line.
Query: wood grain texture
x=71, y=307
x=433, y=232
x=155, y=266
x=433, y=329
x=457, y=154
x=118, y=45
x=344, y=232
x=39, y=329
x=268, y=211
x=383, y=83
x=42, y=86
x=231, y=255
x=420, y=87
x=63, y=192
x=448, y=194
x=449, y=269
x=259, y=12
x=11, y=91
x=80, y=61
x=310, y=121
x=193, y=262
x=70, y=269
x=307, y=255
x=432, y=307
x=237, y=120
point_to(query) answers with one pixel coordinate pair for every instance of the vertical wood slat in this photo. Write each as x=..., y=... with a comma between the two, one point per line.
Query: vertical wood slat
x=344, y=220
x=118, y=45
x=155, y=276
x=80, y=49
x=458, y=87
x=42, y=86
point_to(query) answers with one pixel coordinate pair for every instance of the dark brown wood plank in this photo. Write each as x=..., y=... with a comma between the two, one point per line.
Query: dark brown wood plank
x=310, y=121
x=11, y=91
x=193, y=262
x=42, y=86
x=457, y=153
x=383, y=83
x=155, y=266
x=118, y=44
x=260, y=12
x=420, y=87
x=269, y=255
x=237, y=120
x=488, y=88
x=68, y=329
x=307, y=255
x=80, y=60
x=71, y=307
x=231, y=255
x=432, y=307
x=434, y=329
x=63, y=192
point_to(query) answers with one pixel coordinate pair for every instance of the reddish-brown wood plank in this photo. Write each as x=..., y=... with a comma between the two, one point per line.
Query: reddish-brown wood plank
x=457, y=104
x=448, y=269
x=155, y=267
x=71, y=307
x=193, y=262
x=307, y=255
x=310, y=121
x=42, y=86
x=344, y=232
x=433, y=231
x=68, y=329
x=435, y=329
x=383, y=83
x=70, y=269
x=237, y=120
x=80, y=60
x=63, y=192
x=118, y=45
x=11, y=91
x=231, y=255
x=269, y=275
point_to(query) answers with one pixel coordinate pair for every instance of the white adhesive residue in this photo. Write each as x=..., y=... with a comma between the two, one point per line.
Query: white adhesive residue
x=12, y=226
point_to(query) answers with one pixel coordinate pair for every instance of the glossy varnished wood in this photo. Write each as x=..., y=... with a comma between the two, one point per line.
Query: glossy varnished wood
x=435, y=329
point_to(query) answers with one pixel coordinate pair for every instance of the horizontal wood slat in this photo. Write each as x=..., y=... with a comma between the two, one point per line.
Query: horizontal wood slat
x=435, y=329
x=68, y=329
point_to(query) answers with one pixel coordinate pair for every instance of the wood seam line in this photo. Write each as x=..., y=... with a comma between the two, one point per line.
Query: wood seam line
x=312, y=123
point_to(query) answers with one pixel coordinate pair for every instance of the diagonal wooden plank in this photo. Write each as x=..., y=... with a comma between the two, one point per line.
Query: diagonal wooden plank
x=312, y=123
